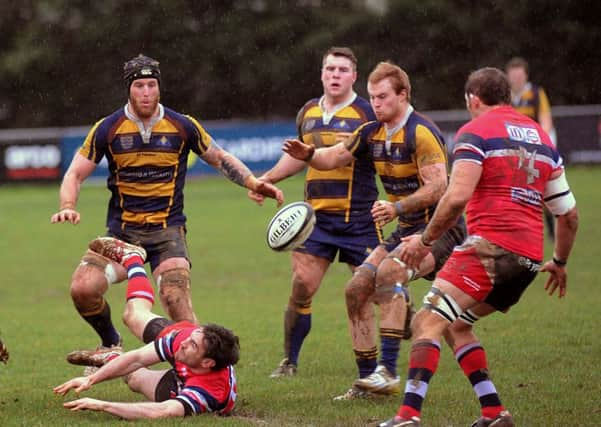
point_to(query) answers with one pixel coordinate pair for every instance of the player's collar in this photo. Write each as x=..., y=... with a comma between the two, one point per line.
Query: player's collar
x=145, y=132
x=327, y=115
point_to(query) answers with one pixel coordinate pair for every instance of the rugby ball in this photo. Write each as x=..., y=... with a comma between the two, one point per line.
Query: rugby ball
x=290, y=226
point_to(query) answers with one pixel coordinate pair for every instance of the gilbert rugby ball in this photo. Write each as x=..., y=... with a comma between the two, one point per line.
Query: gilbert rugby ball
x=290, y=226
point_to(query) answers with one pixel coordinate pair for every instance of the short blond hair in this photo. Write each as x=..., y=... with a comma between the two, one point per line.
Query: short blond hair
x=399, y=79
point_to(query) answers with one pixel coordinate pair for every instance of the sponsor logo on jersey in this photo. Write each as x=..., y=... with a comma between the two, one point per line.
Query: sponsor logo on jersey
x=126, y=141
x=523, y=134
x=523, y=195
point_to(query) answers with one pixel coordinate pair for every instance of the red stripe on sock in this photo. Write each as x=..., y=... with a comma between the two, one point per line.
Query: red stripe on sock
x=137, y=285
x=425, y=356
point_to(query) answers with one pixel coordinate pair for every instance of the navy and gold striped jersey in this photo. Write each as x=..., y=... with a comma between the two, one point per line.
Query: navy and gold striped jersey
x=419, y=142
x=146, y=179
x=350, y=190
x=531, y=101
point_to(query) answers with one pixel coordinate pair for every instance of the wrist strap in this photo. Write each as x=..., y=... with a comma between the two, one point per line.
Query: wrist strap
x=311, y=154
x=398, y=208
x=559, y=262
x=423, y=242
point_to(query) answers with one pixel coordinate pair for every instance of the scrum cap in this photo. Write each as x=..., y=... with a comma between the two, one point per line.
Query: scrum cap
x=141, y=67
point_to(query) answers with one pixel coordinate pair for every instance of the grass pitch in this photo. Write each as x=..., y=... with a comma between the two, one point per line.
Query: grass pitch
x=543, y=356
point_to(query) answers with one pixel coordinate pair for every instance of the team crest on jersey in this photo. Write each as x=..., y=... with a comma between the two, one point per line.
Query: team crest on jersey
x=126, y=141
x=163, y=141
x=523, y=134
x=342, y=124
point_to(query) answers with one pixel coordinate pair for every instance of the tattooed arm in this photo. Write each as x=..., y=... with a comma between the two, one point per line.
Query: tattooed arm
x=238, y=172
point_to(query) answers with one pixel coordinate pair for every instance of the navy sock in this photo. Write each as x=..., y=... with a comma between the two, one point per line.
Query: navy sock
x=103, y=326
x=297, y=336
x=367, y=361
x=390, y=352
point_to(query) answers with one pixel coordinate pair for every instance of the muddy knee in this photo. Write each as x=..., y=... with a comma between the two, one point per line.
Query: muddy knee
x=90, y=281
x=174, y=290
x=360, y=288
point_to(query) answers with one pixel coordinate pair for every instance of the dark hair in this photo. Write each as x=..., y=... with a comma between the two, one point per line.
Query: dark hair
x=221, y=345
x=141, y=67
x=517, y=62
x=345, y=52
x=397, y=76
x=490, y=85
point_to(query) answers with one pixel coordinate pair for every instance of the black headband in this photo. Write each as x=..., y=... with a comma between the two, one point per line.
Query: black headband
x=141, y=67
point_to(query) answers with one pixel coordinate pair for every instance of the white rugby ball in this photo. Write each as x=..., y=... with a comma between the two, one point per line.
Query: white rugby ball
x=290, y=226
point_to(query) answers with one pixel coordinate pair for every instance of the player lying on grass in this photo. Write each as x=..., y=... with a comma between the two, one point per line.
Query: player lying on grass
x=202, y=377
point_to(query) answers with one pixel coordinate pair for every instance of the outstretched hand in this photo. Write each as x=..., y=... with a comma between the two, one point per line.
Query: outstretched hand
x=66, y=215
x=558, y=278
x=265, y=189
x=300, y=151
x=79, y=384
x=83, y=404
x=413, y=250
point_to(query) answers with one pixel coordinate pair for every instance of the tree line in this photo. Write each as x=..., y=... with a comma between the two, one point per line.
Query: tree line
x=61, y=60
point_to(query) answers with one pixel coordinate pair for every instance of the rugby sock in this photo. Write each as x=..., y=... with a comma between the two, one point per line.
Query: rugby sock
x=138, y=285
x=367, y=361
x=102, y=324
x=423, y=362
x=472, y=359
x=298, y=333
x=390, y=343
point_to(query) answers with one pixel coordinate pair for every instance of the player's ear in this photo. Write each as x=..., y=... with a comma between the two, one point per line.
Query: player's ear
x=207, y=363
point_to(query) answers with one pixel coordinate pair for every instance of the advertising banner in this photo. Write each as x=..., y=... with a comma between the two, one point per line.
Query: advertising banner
x=30, y=161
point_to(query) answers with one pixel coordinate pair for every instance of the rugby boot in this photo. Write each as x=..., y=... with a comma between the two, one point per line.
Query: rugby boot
x=381, y=381
x=504, y=419
x=97, y=358
x=115, y=249
x=285, y=369
x=4, y=355
x=401, y=422
x=354, y=393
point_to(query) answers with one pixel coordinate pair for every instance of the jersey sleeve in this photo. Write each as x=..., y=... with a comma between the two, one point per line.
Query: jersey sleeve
x=196, y=400
x=95, y=144
x=164, y=347
x=356, y=144
x=429, y=150
x=468, y=146
x=198, y=138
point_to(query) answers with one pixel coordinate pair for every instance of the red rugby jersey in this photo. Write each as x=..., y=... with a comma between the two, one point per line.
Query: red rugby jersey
x=517, y=159
x=215, y=391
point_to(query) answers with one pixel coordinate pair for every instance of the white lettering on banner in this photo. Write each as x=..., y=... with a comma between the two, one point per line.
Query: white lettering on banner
x=255, y=149
x=32, y=156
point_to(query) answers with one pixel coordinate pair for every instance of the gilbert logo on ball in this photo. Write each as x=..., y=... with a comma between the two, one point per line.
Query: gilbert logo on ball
x=290, y=226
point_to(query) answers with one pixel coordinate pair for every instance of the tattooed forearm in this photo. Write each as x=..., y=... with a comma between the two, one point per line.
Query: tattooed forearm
x=229, y=165
x=234, y=169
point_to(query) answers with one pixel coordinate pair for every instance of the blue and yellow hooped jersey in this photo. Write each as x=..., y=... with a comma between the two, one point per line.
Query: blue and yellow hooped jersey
x=349, y=191
x=146, y=180
x=532, y=101
x=418, y=143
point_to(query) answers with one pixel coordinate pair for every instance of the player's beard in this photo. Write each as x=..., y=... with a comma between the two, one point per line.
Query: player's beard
x=143, y=111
